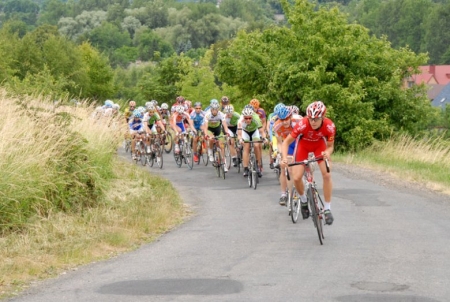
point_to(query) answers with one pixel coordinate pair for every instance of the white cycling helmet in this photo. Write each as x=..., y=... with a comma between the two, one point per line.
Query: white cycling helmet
x=180, y=109
x=164, y=106
x=228, y=109
x=247, y=112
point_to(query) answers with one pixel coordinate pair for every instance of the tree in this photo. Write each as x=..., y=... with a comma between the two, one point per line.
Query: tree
x=321, y=56
x=131, y=24
x=52, y=11
x=108, y=37
x=99, y=72
x=199, y=83
x=148, y=42
x=437, y=36
x=24, y=10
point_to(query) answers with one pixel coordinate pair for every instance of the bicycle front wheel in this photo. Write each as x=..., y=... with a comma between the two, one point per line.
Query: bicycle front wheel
x=159, y=157
x=199, y=152
x=217, y=162
x=178, y=158
x=227, y=154
x=168, y=142
x=320, y=219
x=254, y=172
x=189, y=155
x=294, y=199
x=143, y=155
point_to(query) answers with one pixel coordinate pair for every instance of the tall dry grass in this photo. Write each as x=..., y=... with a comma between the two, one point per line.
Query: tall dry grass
x=65, y=198
x=425, y=160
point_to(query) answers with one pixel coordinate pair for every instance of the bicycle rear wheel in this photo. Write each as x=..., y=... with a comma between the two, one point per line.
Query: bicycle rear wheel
x=294, y=198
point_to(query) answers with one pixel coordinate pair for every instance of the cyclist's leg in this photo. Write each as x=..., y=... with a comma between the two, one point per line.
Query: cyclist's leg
x=245, y=151
x=327, y=183
x=258, y=151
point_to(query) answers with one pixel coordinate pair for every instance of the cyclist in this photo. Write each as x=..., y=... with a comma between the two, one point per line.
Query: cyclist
x=262, y=116
x=197, y=116
x=282, y=128
x=224, y=101
x=249, y=129
x=231, y=119
x=152, y=120
x=136, y=127
x=214, y=120
x=164, y=113
x=316, y=134
x=129, y=111
x=177, y=124
x=213, y=101
x=269, y=130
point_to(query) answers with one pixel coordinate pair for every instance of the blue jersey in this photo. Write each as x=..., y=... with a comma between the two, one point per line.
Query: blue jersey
x=136, y=125
x=198, y=119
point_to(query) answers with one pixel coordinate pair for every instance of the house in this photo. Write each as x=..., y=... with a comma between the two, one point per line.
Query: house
x=434, y=76
x=442, y=99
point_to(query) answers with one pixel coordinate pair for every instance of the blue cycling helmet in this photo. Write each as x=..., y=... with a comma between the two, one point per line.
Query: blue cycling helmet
x=278, y=107
x=213, y=101
x=109, y=103
x=284, y=112
x=137, y=113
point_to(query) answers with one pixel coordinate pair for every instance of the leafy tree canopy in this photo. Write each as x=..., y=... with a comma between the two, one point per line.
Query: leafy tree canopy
x=321, y=56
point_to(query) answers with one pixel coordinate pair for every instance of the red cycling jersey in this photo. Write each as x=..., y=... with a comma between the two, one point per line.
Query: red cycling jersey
x=313, y=140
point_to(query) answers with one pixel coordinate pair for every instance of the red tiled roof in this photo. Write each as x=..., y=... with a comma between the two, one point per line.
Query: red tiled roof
x=441, y=74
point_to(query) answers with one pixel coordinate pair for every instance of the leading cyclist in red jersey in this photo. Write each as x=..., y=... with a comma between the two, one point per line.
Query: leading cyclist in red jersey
x=316, y=135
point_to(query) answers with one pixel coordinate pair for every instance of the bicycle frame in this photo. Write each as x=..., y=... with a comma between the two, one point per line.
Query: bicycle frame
x=315, y=201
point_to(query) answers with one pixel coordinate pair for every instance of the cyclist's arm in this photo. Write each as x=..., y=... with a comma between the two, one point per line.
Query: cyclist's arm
x=285, y=147
x=329, y=150
x=161, y=125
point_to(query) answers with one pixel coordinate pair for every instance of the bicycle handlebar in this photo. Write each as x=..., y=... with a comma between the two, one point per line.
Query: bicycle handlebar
x=307, y=162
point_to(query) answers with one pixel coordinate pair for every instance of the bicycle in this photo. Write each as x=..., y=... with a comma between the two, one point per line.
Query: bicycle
x=227, y=151
x=201, y=149
x=218, y=163
x=185, y=152
x=312, y=194
x=276, y=164
x=252, y=177
x=156, y=150
x=168, y=141
x=139, y=151
x=239, y=150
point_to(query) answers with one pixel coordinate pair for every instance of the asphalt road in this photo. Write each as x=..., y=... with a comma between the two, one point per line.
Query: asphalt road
x=386, y=244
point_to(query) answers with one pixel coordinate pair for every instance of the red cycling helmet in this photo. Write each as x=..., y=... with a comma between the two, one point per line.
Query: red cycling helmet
x=316, y=110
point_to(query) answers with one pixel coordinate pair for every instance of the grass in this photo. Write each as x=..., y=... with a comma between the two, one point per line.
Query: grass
x=424, y=161
x=66, y=199
x=137, y=208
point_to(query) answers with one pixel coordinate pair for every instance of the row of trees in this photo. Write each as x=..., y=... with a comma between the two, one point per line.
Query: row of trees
x=134, y=30
x=422, y=25
x=44, y=61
